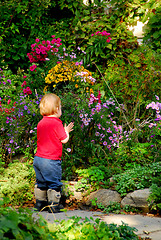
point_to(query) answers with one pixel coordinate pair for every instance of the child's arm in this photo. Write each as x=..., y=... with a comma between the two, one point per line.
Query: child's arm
x=68, y=129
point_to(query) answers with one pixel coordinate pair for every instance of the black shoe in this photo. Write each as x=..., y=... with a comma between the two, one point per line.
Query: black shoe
x=41, y=205
x=55, y=208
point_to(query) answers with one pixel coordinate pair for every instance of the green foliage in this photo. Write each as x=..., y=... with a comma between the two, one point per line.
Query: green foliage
x=16, y=184
x=20, y=224
x=92, y=20
x=131, y=152
x=93, y=177
x=113, y=207
x=155, y=195
x=133, y=80
x=74, y=22
x=73, y=229
x=152, y=28
x=138, y=177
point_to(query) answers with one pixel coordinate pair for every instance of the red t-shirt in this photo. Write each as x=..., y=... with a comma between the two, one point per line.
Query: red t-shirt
x=50, y=132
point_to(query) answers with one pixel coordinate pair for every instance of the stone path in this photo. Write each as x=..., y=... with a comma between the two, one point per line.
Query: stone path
x=148, y=227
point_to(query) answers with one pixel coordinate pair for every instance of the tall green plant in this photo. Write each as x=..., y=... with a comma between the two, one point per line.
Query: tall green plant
x=134, y=80
x=153, y=28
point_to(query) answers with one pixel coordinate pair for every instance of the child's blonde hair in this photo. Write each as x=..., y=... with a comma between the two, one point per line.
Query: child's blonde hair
x=49, y=104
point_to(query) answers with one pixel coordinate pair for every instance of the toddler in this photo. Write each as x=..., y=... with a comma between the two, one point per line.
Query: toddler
x=47, y=161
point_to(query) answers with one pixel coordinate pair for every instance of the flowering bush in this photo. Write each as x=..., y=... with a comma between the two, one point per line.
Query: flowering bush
x=68, y=71
x=98, y=47
x=49, y=58
x=40, y=50
x=155, y=128
x=18, y=116
x=96, y=130
x=102, y=115
x=144, y=146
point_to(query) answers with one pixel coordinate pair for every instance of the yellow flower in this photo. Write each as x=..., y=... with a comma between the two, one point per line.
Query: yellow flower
x=65, y=71
x=45, y=89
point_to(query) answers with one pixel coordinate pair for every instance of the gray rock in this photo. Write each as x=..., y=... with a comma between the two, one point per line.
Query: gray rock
x=104, y=197
x=137, y=199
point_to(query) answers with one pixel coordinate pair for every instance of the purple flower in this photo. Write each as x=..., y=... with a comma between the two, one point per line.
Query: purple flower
x=9, y=150
x=8, y=80
x=157, y=98
x=68, y=149
x=25, y=107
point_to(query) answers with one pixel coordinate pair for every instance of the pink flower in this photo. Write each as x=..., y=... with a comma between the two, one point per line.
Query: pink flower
x=58, y=40
x=53, y=41
x=27, y=91
x=24, y=76
x=48, y=47
x=23, y=84
x=37, y=50
x=37, y=40
x=55, y=49
x=32, y=68
x=8, y=102
x=108, y=39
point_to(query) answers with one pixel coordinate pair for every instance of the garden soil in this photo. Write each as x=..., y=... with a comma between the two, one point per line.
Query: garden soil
x=148, y=226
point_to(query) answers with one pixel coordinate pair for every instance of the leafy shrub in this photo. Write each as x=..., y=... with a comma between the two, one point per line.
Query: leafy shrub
x=138, y=177
x=93, y=177
x=155, y=196
x=73, y=229
x=16, y=184
x=134, y=81
x=20, y=224
x=131, y=153
x=152, y=29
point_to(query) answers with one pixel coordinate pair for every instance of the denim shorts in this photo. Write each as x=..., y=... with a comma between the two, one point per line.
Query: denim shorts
x=48, y=173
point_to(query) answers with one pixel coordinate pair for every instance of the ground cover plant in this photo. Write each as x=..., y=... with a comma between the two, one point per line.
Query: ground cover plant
x=17, y=189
